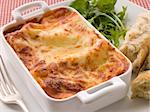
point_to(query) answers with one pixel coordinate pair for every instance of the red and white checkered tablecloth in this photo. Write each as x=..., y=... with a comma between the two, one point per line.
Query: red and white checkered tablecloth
x=6, y=6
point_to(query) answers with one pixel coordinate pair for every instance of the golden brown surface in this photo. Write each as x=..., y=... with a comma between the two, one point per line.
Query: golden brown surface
x=137, y=48
x=64, y=55
x=141, y=85
x=137, y=44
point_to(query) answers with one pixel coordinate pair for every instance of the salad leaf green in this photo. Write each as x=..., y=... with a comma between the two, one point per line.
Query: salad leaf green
x=80, y=5
x=105, y=5
x=102, y=15
x=122, y=13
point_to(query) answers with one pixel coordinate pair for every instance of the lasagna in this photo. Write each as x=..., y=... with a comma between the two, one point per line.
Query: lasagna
x=65, y=55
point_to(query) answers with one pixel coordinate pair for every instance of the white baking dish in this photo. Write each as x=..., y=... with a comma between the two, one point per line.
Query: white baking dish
x=85, y=101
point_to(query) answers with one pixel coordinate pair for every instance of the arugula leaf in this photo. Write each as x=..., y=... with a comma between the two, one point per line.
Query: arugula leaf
x=81, y=6
x=122, y=13
x=101, y=14
x=106, y=5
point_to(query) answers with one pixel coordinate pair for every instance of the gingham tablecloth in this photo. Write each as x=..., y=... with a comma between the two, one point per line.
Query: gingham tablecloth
x=6, y=6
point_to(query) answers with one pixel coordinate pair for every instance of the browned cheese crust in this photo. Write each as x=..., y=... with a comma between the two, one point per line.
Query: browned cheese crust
x=64, y=55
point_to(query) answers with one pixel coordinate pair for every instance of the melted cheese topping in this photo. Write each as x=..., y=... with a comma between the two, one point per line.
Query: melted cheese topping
x=64, y=55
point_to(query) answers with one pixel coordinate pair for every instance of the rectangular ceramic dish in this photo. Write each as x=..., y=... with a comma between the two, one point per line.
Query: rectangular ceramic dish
x=84, y=101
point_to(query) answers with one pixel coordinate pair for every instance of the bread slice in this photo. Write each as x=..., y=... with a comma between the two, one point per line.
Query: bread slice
x=141, y=85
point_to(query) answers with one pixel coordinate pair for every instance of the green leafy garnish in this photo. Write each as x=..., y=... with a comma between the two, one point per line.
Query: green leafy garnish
x=102, y=15
x=105, y=5
x=82, y=8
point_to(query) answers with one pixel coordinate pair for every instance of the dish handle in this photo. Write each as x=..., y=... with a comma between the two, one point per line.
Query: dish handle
x=18, y=12
x=114, y=85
